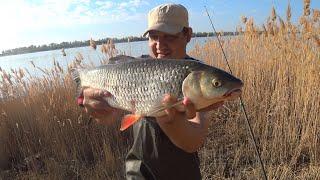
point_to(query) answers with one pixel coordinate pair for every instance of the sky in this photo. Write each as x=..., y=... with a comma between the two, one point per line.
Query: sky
x=38, y=22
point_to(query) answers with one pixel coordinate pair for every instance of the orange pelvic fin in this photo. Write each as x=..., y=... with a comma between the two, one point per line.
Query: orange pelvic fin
x=129, y=120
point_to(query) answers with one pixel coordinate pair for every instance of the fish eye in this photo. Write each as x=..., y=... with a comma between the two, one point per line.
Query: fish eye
x=216, y=83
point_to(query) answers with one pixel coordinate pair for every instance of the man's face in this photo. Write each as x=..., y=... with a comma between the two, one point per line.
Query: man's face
x=164, y=45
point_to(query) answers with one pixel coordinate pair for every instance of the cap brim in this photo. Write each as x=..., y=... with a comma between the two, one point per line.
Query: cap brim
x=166, y=28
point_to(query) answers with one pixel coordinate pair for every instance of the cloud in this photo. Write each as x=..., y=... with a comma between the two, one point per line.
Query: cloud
x=18, y=17
x=26, y=15
x=104, y=5
x=132, y=3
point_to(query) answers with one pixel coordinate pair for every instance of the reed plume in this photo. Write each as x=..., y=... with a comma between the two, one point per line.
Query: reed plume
x=93, y=44
x=306, y=7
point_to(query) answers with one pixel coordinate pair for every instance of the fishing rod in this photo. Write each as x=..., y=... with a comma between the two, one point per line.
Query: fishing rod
x=241, y=103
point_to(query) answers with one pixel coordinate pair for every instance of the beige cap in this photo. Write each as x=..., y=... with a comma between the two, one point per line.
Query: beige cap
x=168, y=18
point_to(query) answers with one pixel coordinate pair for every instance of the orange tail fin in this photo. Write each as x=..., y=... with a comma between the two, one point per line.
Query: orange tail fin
x=129, y=120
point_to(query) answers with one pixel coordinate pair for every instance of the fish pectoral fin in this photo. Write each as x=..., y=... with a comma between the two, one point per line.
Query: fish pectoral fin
x=176, y=105
x=129, y=120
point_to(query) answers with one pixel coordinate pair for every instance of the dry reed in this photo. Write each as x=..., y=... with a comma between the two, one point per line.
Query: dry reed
x=93, y=44
x=281, y=75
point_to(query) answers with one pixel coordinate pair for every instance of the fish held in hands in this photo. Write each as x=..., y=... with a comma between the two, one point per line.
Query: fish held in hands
x=138, y=85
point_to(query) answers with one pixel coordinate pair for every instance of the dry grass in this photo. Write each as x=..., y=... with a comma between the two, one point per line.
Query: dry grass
x=44, y=134
x=281, y=71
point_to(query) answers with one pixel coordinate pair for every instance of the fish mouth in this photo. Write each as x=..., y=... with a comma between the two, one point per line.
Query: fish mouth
x=233, y=93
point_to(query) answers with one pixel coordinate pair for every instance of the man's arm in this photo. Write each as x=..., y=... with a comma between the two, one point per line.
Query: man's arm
x=188, y=135
x=187, y=130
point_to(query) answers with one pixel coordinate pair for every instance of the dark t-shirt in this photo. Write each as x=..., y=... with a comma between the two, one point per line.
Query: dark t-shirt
x=154, y=156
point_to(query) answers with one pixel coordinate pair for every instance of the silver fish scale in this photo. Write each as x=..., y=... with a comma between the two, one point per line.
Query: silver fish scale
x=140, y=85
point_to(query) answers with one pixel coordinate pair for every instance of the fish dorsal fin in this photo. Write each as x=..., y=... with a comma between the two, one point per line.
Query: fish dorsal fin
x=120, y=59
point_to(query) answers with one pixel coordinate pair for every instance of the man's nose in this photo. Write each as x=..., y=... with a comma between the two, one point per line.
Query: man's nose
x=161, y=42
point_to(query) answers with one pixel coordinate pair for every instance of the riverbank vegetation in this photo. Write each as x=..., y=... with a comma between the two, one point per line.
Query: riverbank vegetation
x=65, y=45
x=45, y=135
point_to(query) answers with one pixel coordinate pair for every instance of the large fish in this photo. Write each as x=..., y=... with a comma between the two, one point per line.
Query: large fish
x=138, y=85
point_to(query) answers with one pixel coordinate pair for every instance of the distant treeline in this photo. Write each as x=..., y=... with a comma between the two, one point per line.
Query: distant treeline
x=65, y=45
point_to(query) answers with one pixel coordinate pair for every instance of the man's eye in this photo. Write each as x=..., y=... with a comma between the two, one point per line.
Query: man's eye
x=171, y=38
x=153, y=37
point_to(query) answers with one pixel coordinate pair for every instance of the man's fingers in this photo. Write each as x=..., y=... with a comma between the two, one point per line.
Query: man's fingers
x=171, y=112
x=94, y=104
x=107, y=94
x=95, y=93
x=94, y=107
x=167, y=102
x=106, y=117
x=190, y=109
x=97, y=107
x=95, y=98
x=100, y=113
x=92, y=93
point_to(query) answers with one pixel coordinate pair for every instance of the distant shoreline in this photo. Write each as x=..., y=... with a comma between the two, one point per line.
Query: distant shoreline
x=74, y=44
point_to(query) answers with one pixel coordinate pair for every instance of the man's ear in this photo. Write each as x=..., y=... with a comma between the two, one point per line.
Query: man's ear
x=189, y=34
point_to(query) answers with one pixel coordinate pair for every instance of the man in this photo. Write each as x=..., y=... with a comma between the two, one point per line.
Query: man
x=165, y=147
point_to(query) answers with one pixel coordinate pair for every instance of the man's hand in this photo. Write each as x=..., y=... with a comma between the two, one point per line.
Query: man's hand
x=97, y=107
x=189, y=113
x=187, y=130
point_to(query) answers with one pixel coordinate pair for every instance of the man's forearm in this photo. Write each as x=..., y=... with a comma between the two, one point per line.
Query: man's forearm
x=188, y=135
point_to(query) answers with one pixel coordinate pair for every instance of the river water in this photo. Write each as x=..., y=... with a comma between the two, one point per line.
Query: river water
x=45, y=59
